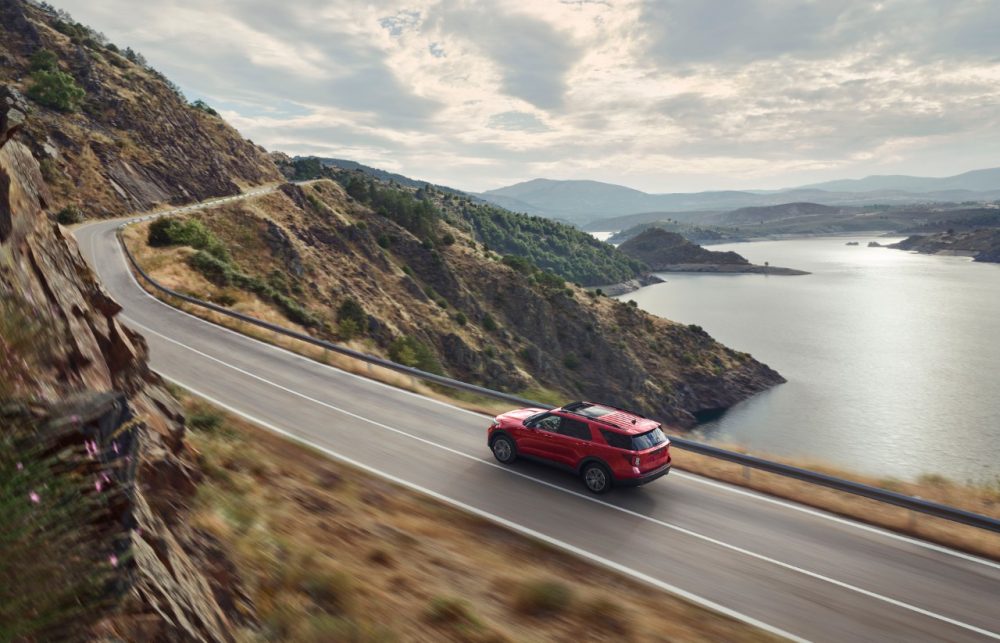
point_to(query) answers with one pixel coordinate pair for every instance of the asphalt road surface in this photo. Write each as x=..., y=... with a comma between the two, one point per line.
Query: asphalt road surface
x=792, y=570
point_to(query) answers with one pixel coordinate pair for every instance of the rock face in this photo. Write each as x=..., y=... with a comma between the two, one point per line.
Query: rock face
x=62, y=338
x=135, y=142
x=982, y=245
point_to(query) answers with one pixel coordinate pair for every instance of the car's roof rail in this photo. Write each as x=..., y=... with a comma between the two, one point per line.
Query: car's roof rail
x=572, y=406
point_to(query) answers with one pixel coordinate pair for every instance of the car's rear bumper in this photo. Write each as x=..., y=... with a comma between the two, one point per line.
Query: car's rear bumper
x=644, y=478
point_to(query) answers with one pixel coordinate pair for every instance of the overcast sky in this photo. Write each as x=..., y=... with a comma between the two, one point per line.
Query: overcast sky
x=665, y=95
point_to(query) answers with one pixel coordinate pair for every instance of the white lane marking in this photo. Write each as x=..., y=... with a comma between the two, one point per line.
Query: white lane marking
x=835, y=518
x=731, y=488
x=513, y=526
x=683, y=530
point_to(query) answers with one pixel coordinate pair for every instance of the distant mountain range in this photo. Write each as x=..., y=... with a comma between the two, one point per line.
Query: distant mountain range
x=585, y=203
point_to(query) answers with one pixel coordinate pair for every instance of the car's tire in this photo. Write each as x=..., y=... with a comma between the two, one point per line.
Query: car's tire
x=504, y=449
x=596, y=477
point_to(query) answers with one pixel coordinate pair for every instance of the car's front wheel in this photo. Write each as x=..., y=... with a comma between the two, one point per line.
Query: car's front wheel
x=504, y=450
x=596, y=477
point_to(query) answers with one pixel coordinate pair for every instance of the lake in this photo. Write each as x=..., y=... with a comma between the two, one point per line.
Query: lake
x=892, y=358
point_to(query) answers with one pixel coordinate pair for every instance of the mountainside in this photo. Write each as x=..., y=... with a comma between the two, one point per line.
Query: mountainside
x=111, y=134
x=556, y=247
x=423, y=292
x=987, y=180
x=62, y=346
x=770, y=213
x=595, y=205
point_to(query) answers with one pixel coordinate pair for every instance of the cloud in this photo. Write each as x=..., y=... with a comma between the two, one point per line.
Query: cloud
x=663, y=95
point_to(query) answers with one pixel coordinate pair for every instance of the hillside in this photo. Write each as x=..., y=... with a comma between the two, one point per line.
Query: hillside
x=112, y=135
x=774, y=213
x=591, y=204
x=980, y=244
x=553, y=246
x=417, y=288
x=665, y=251
x=987, y=180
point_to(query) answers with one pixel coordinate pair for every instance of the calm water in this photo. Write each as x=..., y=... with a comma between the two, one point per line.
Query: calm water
x=892, y=358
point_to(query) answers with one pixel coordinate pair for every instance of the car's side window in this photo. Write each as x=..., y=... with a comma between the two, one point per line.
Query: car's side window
x=575, y=429
x=548, y=423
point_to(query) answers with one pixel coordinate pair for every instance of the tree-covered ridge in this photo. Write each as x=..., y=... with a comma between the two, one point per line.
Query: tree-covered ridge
x=554, y=247
x=570, y=253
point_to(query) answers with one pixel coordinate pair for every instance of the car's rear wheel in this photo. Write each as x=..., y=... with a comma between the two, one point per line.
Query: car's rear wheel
x=504, y=450
x=596, y=477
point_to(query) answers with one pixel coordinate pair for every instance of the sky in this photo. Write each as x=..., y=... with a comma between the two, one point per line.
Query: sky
x=659, y=95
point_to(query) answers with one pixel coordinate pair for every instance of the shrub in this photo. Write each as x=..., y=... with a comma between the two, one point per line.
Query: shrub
x=519, y=264
x=448, y=239
x=347, y=329
x=173, y=232
x=408, y=270
x=452, y=611
x=384, y=241
x=69, y=215
x=56, y=565
x=542, y=598
x=461, y=319
x=44, y=60
x=212, y=268
x=489, y=324
x=202, y=106
x=56, y=89
x=410, y=351
x=350, y=309
x=571, y=361
x=205, y=420
x=549, y=280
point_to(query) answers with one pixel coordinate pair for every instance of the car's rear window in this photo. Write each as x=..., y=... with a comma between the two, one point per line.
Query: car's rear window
x=634, y=442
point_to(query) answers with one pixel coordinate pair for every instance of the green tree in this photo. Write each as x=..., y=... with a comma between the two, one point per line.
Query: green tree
x=44, y=60
x=56, y=89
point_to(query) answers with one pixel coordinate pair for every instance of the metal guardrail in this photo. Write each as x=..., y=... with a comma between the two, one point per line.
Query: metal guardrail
x=821, y=479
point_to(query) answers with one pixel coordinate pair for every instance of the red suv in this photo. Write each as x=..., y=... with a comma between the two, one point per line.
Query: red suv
x=603, y=445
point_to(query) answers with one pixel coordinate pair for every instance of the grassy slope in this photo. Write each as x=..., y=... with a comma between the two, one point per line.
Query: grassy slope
x=483, y=321
x=326, y=552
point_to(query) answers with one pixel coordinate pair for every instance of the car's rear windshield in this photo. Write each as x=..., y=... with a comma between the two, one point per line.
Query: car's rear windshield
x=639, y=442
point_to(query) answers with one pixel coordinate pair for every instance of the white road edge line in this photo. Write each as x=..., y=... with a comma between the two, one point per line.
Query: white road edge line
x=683, y=530
x=692, y=476
x=513, y=526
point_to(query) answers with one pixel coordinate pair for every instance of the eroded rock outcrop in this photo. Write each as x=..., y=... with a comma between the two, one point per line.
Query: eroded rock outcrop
x=45, y=284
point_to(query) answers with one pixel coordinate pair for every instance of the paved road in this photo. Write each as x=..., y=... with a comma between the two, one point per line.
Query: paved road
x=795, y=571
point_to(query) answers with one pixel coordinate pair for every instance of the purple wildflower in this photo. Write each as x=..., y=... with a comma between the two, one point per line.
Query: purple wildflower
x=20, y=467
x=97, y=485
x=113, y=560
x=34, y=497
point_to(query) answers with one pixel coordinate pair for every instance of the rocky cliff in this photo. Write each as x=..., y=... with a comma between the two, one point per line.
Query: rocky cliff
x=62, y=338
x=131, y=141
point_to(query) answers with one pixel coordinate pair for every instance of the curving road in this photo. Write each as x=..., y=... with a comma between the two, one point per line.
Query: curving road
x=794, y=571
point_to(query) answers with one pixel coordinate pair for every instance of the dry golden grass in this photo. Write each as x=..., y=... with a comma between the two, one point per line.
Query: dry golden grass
x=325, y=552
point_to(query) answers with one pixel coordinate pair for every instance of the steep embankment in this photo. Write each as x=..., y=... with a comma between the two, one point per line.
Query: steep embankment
x=111, y=134
x=61, y=338
x=420, y=290
x=982, y=245
x=666, y=251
